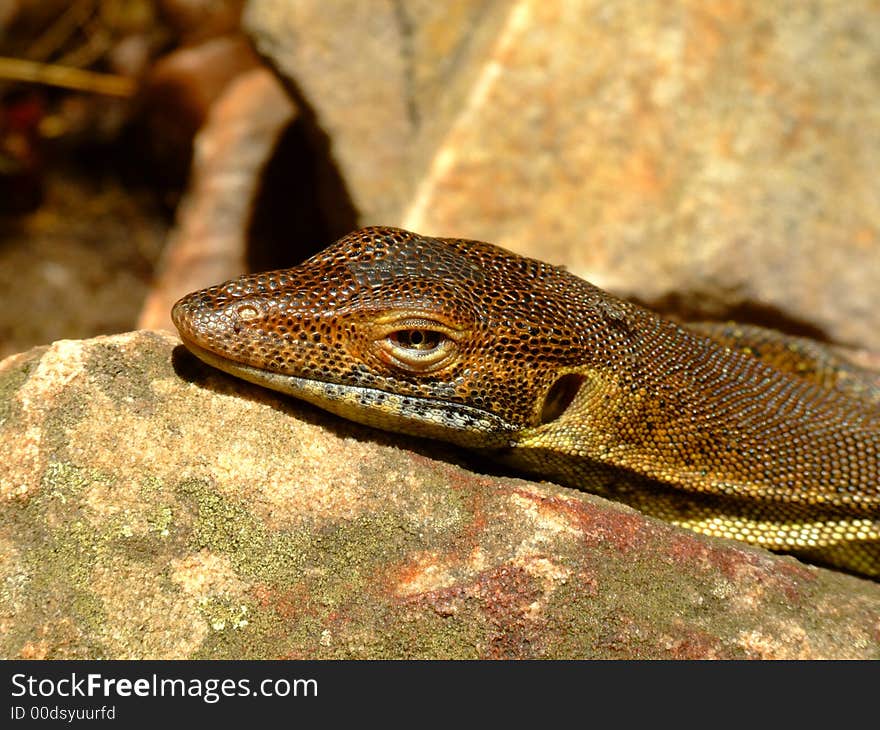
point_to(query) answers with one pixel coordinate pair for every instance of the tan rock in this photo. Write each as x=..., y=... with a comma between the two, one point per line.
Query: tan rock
x=209, y=241
x=717, y=158
x=382, y=81
x=153, y=507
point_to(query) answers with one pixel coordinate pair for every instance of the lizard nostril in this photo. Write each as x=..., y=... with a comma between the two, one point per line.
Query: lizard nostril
x=247, y=312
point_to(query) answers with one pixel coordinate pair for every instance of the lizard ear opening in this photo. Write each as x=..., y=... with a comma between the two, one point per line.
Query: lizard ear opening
x=560, y=395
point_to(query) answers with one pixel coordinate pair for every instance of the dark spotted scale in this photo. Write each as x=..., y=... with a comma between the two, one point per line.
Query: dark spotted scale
x=727, y=430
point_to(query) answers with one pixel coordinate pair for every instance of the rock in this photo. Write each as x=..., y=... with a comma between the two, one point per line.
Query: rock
x=382, y=81
x=177, y=95
x=156, y=508
x=208, y=243
x=715, y=160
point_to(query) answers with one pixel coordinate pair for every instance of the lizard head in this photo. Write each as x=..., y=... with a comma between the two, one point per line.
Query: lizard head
x=445, y=338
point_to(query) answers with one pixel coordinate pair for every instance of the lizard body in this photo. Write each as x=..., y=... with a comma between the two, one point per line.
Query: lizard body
x=726, y=430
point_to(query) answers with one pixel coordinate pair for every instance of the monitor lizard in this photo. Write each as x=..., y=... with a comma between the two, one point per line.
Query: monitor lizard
x=728, y=430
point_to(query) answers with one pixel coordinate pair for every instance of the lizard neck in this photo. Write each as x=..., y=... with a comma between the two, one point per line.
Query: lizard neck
x=692, y=413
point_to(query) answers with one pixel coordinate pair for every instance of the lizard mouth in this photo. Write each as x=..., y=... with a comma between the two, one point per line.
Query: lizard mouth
x=413, y=415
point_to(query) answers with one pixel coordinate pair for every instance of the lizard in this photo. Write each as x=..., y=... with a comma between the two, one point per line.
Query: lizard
x=729, y=430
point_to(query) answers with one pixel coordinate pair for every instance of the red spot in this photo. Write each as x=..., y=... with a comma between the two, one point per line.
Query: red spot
x=505, y=595
x=601, y=526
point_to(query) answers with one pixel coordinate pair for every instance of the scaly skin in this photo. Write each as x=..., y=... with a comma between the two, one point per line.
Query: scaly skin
x=732, y=431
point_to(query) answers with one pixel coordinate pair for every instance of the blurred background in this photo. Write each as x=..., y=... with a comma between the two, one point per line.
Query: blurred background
x=712, y=159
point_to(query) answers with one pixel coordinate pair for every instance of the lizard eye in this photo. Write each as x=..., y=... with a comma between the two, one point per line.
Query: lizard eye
x=421, y=340
x=417, y=346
